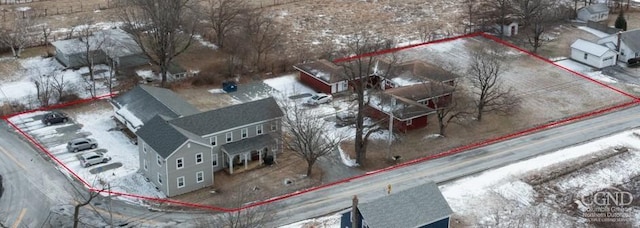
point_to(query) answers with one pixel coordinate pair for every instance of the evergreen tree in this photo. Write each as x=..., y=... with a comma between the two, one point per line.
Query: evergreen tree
x=621, y=23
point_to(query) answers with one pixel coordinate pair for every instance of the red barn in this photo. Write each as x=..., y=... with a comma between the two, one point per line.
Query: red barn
x=411, y=105
x=323, y=76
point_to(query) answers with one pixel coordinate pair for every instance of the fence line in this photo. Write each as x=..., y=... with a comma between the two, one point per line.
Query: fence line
x=43, y=12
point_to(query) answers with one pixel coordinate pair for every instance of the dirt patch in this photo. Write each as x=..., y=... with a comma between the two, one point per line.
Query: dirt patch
x=265, y=182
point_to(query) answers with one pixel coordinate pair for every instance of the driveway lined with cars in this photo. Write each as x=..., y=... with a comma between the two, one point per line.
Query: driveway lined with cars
x=55, y=128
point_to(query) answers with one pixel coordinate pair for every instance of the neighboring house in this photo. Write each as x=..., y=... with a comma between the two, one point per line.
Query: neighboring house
x=410, y=105
x=327, y=77
x=508, y=30
x=627, y=44
x=181, y=155
x=323, y=76
x=594, y=12
x=422, y=206
x=592, y=54
x=176, y=72
x=142, y=103
x=106, y=46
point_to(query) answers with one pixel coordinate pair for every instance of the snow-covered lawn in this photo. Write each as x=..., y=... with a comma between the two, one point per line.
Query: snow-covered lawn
x=595, y=32
x=479, y=199
x=96, y=124
x=20, y=87
x=586, y=70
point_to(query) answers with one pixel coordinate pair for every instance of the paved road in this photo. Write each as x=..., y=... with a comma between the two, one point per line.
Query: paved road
x=32, y=185
x=441, y=170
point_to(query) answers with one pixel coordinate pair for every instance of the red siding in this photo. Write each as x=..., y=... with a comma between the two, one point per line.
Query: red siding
x=401, y=126
x=315, y=83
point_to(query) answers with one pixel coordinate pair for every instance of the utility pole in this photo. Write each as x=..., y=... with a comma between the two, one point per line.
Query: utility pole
x=390, y=140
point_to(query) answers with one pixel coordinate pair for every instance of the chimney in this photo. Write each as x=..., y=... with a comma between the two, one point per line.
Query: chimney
x=355, y=216
x=618, y=43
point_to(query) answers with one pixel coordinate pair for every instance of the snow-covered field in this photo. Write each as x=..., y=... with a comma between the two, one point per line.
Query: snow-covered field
x=500, y=198
x=20, y=86
x=545, y=89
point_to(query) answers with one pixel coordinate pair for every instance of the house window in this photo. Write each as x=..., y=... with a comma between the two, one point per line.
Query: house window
x=198, y=158
x=409, y=122
x=622, y=51
x=144, y=162
x=200, y=177
x=214, y=160
x=244, y=133
x=159, y=178
x=179, y=163
x=181, y=182
x=274, y=126
x=586, y=55
x=259, y=129
x=159, y=160
x=229, y=136
x=214, y=140
x=188, y=145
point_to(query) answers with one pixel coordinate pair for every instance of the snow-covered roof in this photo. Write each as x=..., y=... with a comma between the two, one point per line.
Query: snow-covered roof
x=322, y=69
x=114, y=42
x=590, y=47
x=129, y=116
x=596, y=8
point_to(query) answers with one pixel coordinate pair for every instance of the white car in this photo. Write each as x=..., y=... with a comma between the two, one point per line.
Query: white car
x=319, y=98
x=92, y=158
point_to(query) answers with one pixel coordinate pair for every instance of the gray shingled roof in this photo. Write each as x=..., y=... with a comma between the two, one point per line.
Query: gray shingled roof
x=146, y=101
x=632, y=39
x=597, y=8
x=408, y=208
x=115, y=42
x=249, y=144
x=161, y=136
x=229, y=117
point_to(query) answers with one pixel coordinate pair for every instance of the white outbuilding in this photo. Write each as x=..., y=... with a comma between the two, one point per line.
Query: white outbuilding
x=592, y=54
x=595, y=12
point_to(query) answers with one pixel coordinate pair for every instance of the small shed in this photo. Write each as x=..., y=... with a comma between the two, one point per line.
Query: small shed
x=592, y=54
x=507, y=29
x=595, y=12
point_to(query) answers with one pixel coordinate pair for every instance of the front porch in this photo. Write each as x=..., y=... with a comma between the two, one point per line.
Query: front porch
x=249, y=153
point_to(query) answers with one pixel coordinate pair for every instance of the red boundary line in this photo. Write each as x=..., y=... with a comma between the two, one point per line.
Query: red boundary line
x=460, y=149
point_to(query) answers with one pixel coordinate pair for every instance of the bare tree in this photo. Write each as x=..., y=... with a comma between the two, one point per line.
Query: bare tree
x=358, y=72
x=91, y=51
x=262, y=35
x=44, y=87
x=530, y=10
x=223, y=16
x=76, y=208
x=163, y=29
x=58, y=84
x=471, y=9
x=485, y=72
x=307, y=137
x=243, y=217
x=536, y=30
x=17, y=35
x=427, y=31
x=498, y=12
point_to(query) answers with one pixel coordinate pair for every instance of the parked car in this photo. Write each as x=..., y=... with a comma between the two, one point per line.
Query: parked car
x=635, y=62
x=319, y=98
x=54, y=118
x=345, y=118
x=92, y=158
x=81, y=144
